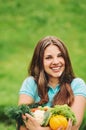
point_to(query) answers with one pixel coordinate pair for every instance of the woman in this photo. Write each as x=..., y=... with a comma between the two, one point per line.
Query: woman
x=52, y=82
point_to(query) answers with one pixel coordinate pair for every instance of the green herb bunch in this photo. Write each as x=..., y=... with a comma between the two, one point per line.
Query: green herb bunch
x=64, y=110
x=15, y=112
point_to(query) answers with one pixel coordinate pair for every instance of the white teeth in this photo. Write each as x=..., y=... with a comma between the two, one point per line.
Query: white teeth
x=56, y=68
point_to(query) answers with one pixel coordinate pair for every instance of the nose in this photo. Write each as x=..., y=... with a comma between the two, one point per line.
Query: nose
x=55, y=60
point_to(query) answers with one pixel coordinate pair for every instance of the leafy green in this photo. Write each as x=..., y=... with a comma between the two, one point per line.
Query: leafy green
x=64, y=110
x=15, y=112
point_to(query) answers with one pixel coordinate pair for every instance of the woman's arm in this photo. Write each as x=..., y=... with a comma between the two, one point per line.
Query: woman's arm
x=78, y=108
x=24, y=99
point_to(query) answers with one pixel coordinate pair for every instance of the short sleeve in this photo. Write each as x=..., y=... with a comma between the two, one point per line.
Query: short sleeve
x=79, y=87
x=29, y=87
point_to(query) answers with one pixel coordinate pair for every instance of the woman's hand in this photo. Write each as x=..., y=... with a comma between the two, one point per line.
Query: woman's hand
x=30, y=122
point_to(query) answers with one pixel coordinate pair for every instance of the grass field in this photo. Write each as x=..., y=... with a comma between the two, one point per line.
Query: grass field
x=22, y=24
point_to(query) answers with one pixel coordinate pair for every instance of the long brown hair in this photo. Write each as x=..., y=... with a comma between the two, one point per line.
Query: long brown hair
x=36, y=69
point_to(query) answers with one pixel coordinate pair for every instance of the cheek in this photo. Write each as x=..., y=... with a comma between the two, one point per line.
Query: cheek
x=47, y=63
x=63, y=61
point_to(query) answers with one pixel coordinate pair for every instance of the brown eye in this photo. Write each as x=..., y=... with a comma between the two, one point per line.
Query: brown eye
x=48, y=57
x=60, y=55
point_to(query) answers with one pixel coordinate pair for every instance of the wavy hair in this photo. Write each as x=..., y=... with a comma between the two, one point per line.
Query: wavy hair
x=36, y=69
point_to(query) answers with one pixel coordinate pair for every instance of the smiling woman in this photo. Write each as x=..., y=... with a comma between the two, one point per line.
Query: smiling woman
x=54, y=63
x=51, y=81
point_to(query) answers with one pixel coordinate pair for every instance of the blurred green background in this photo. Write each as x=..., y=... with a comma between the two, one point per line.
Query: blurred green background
x=22, y=24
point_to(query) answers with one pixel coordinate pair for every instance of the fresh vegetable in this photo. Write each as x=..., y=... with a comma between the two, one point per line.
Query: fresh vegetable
x=34, y=109
x=39, y=115
x=15, y=112
x=64, y=110
x=46, y=116
x=57, y=121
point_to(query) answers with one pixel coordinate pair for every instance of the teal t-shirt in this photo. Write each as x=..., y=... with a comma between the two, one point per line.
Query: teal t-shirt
x=29, y=87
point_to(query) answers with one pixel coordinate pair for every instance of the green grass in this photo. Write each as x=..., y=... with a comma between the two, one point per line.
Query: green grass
x=7, y=127
x=22, y=24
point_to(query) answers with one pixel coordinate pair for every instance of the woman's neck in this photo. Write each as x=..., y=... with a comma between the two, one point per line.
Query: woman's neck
x=53, y=82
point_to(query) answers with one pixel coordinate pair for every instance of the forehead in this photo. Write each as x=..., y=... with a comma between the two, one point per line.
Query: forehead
x=51, y=49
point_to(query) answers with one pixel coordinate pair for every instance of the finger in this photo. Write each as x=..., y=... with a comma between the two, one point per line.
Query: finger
x=69, y=124
x=25, y=119
x=29, y=117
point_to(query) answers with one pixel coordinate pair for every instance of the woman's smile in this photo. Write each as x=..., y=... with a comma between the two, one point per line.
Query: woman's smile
x=56, y=69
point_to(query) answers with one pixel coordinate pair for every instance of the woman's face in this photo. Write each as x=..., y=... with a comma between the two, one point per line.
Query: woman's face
x=53, y=61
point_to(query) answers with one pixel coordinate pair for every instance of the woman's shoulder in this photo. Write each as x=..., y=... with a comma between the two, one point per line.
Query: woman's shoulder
x=79, y=86
x=78, y=81
x=29, y=80
x=29, y=87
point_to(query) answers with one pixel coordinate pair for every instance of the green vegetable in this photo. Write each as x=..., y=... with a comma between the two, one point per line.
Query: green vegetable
x=46, y=119
x=15, y=112
x=64, y=110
